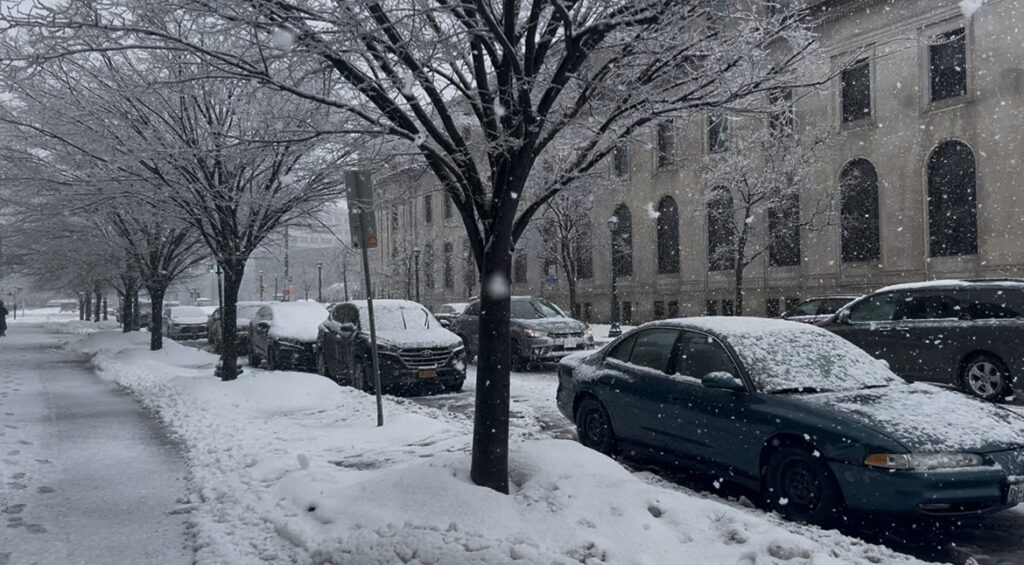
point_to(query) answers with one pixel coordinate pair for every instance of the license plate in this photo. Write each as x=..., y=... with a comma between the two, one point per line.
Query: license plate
x=1015, y=495
x=571, y=344
x=427, y=374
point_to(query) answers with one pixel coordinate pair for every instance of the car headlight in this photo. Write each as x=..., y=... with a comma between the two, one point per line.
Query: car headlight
x=924, y=461
x=535, y=333
x=588, y=333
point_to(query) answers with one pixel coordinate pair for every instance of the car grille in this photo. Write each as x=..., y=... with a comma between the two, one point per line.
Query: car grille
x=427, y=358
x=566, y=335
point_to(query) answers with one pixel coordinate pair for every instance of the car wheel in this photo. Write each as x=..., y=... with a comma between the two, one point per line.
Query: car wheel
x=321, y=365
x=362, y=376
x=254, y=359
x=271, y=360
x=802, y=488
x=470, y=354
x=454, y=387
x=519, y=363
x=986, y=377
x=594, y=427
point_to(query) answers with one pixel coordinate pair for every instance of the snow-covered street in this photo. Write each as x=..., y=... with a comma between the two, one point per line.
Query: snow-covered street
x=88, y=476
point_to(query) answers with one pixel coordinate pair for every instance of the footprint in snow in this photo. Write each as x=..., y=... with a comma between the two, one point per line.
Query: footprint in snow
x=35, y=528
x=16, y=485
x=23, y=442
x=13, y=509
x=14, y=452
x=45, y=490
x=44, y=461
x=18, y=476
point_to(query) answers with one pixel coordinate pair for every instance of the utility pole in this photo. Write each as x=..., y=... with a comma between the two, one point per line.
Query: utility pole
x=416, y=260
x=261, y=286
x=320, y=281
x=360, y=198
x=287, y=276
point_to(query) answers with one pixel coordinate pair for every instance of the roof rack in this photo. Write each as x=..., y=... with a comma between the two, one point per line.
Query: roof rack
x=995, y=280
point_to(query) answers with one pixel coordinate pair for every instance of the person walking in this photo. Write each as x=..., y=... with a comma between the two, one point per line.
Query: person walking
x=3, y=319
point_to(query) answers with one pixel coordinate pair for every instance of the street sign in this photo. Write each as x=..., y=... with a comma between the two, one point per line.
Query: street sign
x=360, y=209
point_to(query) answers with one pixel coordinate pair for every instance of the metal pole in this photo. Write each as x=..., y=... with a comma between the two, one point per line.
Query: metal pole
x=369, y=307
x=261, y=286
x=220, y=289
x=275, y=288
x=320, y=281
x=344, y=274
x=287, y=276
x=416, y=260
x=614, y=330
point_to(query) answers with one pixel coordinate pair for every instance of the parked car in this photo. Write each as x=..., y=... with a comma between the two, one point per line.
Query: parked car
x=146, y=311
x=184, y=322
x=447, y=314
x=414, y=351
x=283, y=334
x=819, y=309
x=540, y=331
x=244, y=313
x=797, y=413
x=966, y=333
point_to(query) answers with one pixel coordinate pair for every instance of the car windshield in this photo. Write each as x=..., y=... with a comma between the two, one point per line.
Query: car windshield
x=187, y=312
x=248, y=311
x=781, y=358
x=534, y=309
x=832, y=305
x=398, y=317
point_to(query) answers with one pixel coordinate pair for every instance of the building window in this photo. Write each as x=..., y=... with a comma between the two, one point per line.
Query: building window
x=771, y=308
x=428, y=209
x=449, y=272
x=428, y=265
x=666, y=145
x=780, y=118
x=711, y=308
x=947, y=57
x=721, y=230
x=952, y=201
x=668, y=236
x=519, y=268
x=620, y=160
x=859, y=228
x=448, y=205
x=622, y=243
x=718, y=129
x=856, y=91
x=627, y=312
x=728, y=308
x=784, y=232
x=585, y=250
x=792, y=302
x=659, y=310
x=673, y=309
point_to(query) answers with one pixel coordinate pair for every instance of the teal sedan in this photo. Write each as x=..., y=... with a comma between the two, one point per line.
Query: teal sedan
x=796, y=413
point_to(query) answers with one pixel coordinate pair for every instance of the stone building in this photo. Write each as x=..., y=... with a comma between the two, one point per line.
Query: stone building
x=923, y=181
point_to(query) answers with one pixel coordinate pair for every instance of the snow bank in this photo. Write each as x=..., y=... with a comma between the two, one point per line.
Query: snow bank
x=76, y=326
x=290, y=468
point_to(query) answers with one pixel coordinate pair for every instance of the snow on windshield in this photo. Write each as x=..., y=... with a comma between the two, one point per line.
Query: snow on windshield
x=397, y=316
x=534, y=309
x=297, y=320
x=781, y=355
x=187, y=312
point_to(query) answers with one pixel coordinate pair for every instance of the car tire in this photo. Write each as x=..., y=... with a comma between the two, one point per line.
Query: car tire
x=362, y=376
x=254, y=359
x=454, y=387
x=519, y=363
x=594, y=427
x=470, y=354
x=801, y=487
x=321, y=366
x=271, y=360
x=986, y=377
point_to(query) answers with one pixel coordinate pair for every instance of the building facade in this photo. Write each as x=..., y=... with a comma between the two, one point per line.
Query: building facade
x=922, y=181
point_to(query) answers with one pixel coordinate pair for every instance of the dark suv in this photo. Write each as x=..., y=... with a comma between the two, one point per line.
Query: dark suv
x=414, y=351
x=967, y=333
x=540, y=331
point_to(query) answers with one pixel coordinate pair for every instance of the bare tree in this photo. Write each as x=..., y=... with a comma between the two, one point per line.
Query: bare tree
x=566, y=238
x=763, y=172
x=479, y=90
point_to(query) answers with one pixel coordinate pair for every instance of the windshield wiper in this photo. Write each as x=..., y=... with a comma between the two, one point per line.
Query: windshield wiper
x=799, y=390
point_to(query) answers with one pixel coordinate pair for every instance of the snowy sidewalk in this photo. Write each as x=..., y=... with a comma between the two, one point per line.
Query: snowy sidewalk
x=87, y=476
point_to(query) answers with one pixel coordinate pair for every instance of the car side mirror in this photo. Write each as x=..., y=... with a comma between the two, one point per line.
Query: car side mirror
x=445, y=322
x=843, y=317
x=263, y=326
x=722, y=380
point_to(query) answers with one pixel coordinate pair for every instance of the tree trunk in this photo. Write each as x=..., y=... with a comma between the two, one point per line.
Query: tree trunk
x=136, y=311
x=87, y=307
x=156, y=316
x=99, y=303
x=740, y=261
x=490, y=421
x=569, y=269
x=227, y=368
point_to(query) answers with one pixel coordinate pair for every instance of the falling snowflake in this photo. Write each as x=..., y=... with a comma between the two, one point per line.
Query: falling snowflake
x=283, y=39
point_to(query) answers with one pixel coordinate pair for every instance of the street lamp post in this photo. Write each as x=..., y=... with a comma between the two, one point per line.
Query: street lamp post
x=275, y=288
x=613, y=227
x=320, y=281
x=416, y=263
x=261, y=286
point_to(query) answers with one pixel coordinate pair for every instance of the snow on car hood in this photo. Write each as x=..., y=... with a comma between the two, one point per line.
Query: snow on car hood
x=188, y=321
x=553, y=325
x=927, y=418
x=298, y=321
x=418, y=338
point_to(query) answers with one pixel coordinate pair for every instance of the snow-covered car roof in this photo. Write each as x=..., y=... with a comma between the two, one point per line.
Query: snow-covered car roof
x=953, y=283
x=187, y=312
x=782, y=355
x=296, y=320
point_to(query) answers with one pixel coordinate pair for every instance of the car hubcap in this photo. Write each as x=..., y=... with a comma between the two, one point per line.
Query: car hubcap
x=984, y=378
x=801, y=486
x=595, y=429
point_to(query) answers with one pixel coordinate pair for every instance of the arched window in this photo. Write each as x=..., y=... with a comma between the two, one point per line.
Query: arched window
x=622, y=242
x=721, y=230
x=668, y=236
x=858, y=193
x=784, y=231
x=952, y=201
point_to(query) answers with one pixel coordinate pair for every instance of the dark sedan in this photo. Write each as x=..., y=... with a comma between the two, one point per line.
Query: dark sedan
x=790, y=410
x=283, y=335
x=244, y=313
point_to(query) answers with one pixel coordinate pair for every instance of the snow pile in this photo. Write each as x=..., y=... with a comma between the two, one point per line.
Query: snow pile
x=78, y=327
x=290, y=468
x=297, y=320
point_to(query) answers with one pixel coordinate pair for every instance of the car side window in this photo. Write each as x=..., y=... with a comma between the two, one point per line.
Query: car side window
x=928, y=306
x=653, y=349
x=809, y=308
x=473, y=310
x=996, y=303
x=622, y=350
x=701, y=354
x=878, y=308
x=831, y=306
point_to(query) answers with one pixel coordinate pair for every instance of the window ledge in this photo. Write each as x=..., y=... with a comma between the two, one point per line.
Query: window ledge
x=948, y=104
x=863, y=123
